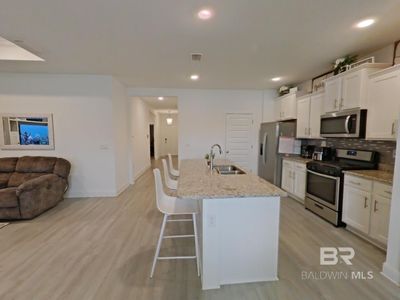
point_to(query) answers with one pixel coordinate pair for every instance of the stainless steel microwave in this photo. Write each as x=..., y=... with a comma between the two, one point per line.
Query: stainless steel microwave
x=349, y=123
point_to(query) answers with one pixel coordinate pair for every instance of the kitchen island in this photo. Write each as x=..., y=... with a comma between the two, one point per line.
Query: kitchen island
x=238, y=224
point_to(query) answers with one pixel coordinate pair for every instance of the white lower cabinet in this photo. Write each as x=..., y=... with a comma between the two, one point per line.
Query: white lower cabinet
x=294, y=179
x=366, y=208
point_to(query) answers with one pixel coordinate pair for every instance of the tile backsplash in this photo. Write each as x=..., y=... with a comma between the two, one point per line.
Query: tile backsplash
x=386, y=149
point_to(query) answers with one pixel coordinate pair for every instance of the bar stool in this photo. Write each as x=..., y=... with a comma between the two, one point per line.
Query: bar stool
x=169, y=182
x=171, y=206
x=171, y=167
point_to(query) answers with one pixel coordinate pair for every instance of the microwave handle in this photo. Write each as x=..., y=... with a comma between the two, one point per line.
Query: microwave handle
x=346, y=124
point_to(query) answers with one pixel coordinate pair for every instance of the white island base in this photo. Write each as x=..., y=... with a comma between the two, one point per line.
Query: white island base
x=239, y=240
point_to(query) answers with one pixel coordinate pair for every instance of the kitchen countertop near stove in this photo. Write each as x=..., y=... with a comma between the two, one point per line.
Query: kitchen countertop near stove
x=298, y=159
x=378, y=175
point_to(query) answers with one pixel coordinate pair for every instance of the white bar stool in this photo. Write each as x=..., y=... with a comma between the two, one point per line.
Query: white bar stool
x=171, y=206
x=169, y=182
x=171, y=167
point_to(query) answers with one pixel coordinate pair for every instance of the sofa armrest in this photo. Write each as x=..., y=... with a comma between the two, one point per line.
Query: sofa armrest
x=39, y=194
x=43, y=181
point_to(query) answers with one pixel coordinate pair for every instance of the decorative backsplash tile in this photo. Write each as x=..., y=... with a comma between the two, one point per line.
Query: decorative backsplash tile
x=385, y=148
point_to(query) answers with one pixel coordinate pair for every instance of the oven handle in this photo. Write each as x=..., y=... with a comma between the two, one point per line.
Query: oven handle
x=323, y=175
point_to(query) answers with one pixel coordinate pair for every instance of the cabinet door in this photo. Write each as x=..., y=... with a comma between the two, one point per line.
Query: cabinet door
x=383, y=106
x=316, y=105
x=356, y=208
x=303, y=117
x=299, y=185
x=287, y=177
x=277, y=109
x=351, y=91
x=289, y=107
x=380, y=218
x=333, y=94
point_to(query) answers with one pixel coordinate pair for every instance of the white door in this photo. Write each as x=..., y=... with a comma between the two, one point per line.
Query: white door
x=383, y=106
x=356, y=208
x=303, y=117
x=380, y=218
x=287, y=178
x=333, y=94
x=351, y=91
x=316, y=107
x=239, y=139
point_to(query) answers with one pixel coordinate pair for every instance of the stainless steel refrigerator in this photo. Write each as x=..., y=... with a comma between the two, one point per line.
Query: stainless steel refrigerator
x=269, y=158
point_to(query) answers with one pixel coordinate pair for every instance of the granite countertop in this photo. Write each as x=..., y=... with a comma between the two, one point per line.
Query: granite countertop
x=378, y=175
x=196, y=182
x=298, y=159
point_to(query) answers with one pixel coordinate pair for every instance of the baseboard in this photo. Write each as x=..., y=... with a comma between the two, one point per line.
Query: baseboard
x=390, y=273
x=90, y=194
x=122, y=188
x=141, y=172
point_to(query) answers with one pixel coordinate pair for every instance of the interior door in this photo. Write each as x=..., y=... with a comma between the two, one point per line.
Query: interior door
x=239, y=142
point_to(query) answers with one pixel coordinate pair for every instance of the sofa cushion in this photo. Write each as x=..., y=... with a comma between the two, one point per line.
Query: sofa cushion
x=8, y=197
x=7, y=164
x=4, y=177
x=62, y=168
x=16, y=179
x=35, y=164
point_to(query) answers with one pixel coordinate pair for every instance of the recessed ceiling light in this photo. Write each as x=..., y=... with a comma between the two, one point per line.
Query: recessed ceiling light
x=194, y=77
x=365, y=23
x=205, y=14
x=276, y=79
x=160, y=98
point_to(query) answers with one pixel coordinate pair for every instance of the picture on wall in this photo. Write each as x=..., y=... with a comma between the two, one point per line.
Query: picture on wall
x=27, y=132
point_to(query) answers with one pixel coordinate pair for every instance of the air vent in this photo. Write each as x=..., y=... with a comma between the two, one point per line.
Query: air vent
x=197, y=56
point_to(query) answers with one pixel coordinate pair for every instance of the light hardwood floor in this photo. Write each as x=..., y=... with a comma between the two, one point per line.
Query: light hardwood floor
x=101, y=248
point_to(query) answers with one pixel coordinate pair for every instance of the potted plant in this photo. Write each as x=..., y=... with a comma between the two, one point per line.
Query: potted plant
x=340, y=64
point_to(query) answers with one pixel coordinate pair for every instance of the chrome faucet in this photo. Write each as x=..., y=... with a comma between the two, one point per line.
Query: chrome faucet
x=212, y=155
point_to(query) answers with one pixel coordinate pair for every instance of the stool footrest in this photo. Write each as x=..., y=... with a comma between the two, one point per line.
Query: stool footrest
x=178, y=236
x=175, y=257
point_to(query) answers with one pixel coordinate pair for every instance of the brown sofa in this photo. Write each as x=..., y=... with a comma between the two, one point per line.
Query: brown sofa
x=30, y=185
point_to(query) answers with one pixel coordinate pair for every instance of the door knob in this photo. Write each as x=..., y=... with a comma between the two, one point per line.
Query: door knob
x=227, y=151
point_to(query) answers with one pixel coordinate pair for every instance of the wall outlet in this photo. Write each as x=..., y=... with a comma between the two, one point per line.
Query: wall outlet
x=212, y=221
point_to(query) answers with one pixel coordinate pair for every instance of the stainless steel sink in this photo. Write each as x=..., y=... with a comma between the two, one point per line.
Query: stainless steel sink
x=229, y=170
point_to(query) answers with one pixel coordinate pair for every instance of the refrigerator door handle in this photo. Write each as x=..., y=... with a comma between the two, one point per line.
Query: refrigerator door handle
x=265, y=148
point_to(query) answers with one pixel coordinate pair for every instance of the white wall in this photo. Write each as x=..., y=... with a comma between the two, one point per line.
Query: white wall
x=202, y=116
x=120, y=135
x=83, y=127
x=139, y=119
x=169, y=132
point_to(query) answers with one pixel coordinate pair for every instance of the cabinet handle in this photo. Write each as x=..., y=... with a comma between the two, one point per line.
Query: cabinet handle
x=341, y=103
x=388, y=192
x=355, y=183
x=375, y=209
x=305, y=130
x=365, y=202
x=393, y=128
x=309, y=131
x=335, y=103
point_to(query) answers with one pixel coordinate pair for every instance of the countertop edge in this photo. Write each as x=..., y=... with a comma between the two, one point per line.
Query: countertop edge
x=368, y=176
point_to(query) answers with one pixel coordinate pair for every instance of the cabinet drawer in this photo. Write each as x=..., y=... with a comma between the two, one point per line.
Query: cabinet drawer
x=382, y=189
x=288, y=164
x=300, y=167
x=359, y=183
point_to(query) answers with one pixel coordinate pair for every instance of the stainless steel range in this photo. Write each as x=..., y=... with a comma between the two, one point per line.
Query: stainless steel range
x=324, y=191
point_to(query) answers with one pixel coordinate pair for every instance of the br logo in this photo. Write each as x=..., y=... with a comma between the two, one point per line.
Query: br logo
x=329, y=256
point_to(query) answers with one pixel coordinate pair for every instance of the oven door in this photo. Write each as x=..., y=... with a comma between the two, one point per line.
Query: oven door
x=324, y=189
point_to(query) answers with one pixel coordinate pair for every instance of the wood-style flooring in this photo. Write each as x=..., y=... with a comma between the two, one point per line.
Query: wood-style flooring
x=102, y=248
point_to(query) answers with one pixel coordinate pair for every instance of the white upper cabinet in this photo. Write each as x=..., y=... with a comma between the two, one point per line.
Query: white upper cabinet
x=286, y=107
x=333, y=94
x=383, y=104
x=316, y=110
x=303, y=117
x=309, y=110
x=348, y=90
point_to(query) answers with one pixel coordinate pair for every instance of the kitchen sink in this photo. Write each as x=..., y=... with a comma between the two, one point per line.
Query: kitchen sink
x=229, y=170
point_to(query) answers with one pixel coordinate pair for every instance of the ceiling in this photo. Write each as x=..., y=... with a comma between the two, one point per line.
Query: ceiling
x=169, y=103
x=148, y=43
